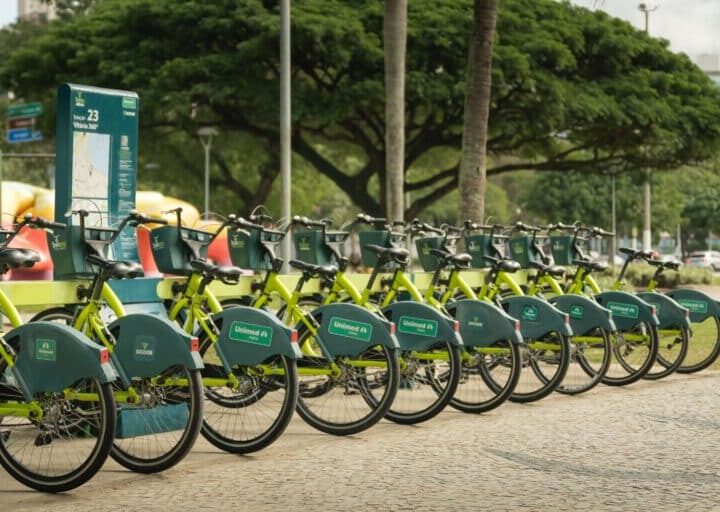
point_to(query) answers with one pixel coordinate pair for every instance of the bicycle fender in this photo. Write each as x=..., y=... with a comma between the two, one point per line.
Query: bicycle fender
x=51, y=357
x=349, y=330
x=700, y=304
x=419, y=326
x=482, y=323
x=628, y=310
x=670, y=314
x=585, y=314
x=537, y=317
x=146, y=345
x=250, y=336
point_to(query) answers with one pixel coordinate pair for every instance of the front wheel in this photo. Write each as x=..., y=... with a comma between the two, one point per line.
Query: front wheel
x=634, y=351
x=545, y=364
x=66, y=445
x=704, y=346
x=673, y=346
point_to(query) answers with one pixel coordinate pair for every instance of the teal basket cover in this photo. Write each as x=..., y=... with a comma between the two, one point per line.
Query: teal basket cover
x=69, y=253
x=522, y=251
x=478, y=246
x=172, y=255
x=247, y=250
x=563, y=250
x=429, y=262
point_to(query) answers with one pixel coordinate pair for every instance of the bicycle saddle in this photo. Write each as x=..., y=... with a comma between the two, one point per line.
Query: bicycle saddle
x=503, y=264
x=396, y=254
x=16, y=258
x=117, y=269
x=633, y=253
x=226, y=274
x=552, y=270
x=327, y=271
x=591, y=265
x=672, y=265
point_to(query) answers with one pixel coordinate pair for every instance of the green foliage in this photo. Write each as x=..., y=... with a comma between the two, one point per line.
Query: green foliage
x=572, y=89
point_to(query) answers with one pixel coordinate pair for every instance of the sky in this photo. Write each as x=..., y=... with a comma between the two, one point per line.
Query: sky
x=691, y=26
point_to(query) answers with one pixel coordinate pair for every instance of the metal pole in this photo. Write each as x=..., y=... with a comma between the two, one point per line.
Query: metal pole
x=207, y=176
x=647, y=214
x=285, y=127
x=613, y=240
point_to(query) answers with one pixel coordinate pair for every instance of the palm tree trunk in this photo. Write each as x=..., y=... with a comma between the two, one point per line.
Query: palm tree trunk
x=477, y=109
x=395, y=42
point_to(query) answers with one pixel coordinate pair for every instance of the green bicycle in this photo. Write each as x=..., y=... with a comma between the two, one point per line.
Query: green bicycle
x=57, y=411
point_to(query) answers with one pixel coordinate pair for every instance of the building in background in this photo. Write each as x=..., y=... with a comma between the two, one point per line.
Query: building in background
x=35, y=10
x=710, y=63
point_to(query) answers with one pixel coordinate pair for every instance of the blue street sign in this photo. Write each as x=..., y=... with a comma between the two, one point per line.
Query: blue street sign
x=23, y=135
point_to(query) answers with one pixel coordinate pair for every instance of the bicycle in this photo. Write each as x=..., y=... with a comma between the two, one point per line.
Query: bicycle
x=57, y=411
x=591, y=324
x=159, y=391
x=636, y=342
x=349, y=372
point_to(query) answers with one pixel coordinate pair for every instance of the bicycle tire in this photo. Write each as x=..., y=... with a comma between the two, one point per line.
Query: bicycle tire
x=85, y=436
x=624, y=347
x=255, y=415
x=352, y=401
x=476, y=366
x=672, y=349
x=164, y=441
x=590, y=358
x=704, y=334
x=427, y=384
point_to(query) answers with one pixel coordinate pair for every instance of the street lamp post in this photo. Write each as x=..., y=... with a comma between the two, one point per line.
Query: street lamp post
x=647, y=221
x=206, y=134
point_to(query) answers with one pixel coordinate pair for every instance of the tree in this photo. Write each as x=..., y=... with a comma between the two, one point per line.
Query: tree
x=395, y=42
x=572, y=89
x=472, y=171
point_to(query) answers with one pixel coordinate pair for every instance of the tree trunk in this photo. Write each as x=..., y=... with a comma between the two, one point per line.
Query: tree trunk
x=395, y=41
x=477, y=109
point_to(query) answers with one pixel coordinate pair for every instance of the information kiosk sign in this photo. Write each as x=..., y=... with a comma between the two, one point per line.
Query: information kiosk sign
x=96, y=158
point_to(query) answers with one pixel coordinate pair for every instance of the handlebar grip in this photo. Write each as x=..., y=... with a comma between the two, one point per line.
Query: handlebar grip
x=153, y=220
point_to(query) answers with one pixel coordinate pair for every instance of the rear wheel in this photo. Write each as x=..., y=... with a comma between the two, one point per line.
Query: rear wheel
x=590, y=356
x=429, y=379
x=704, y=347
x=545, y=364
x=63, y=448
x=348, y=394
x=474, y=394
x=253, y=414
x=634, y=353
x=672, y=348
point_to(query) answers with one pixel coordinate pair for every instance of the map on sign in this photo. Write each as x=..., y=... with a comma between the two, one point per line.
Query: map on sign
x=90, y=175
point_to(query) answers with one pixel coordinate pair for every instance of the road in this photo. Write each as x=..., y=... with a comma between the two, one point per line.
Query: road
x=650, y=446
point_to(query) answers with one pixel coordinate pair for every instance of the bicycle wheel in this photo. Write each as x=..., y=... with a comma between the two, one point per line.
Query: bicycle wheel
x=428, y=381
x=634, y=353
x=672, y=348
x=590, y=356
x=545, y=364
x=253, y=414
x=159, y=431
x=351, y=397
x=704, y=346
x=66, y=446
x=473, y=394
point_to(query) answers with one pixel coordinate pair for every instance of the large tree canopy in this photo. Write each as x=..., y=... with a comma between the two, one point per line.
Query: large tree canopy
x=572, y=89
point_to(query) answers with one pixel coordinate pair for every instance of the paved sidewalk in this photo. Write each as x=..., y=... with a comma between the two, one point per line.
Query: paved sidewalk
x=651, y=446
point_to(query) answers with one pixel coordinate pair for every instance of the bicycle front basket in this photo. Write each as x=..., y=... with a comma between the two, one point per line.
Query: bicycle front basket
x=171, y=253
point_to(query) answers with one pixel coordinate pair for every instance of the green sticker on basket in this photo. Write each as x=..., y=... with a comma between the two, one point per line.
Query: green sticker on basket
x=303, y=244
x=145, y=347
x=45, y=350
x=350, y=329
x=624, y=310
x=419, y=326
x=577, y=312
x=157, y=244
x=237, y=242
x=530, y=313
x=251, y=333
x=695, y=306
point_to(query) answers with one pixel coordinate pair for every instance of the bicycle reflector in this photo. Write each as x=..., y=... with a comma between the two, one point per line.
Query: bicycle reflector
x=392, y=327
x=194, y=344
x=517, y=325
x=104, y=356
x=293, y=336
x=456, y=326
x=567, y=319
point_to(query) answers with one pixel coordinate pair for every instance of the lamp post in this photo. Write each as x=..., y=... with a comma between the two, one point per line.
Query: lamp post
x=647, y=221
x=206, y=134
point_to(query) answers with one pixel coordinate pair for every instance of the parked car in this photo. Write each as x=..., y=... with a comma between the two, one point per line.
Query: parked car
x=707, y=259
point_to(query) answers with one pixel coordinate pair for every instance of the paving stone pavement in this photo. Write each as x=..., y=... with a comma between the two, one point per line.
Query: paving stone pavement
x=650, y=446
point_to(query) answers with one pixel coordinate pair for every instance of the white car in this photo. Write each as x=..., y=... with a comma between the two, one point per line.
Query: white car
x=708, y=259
